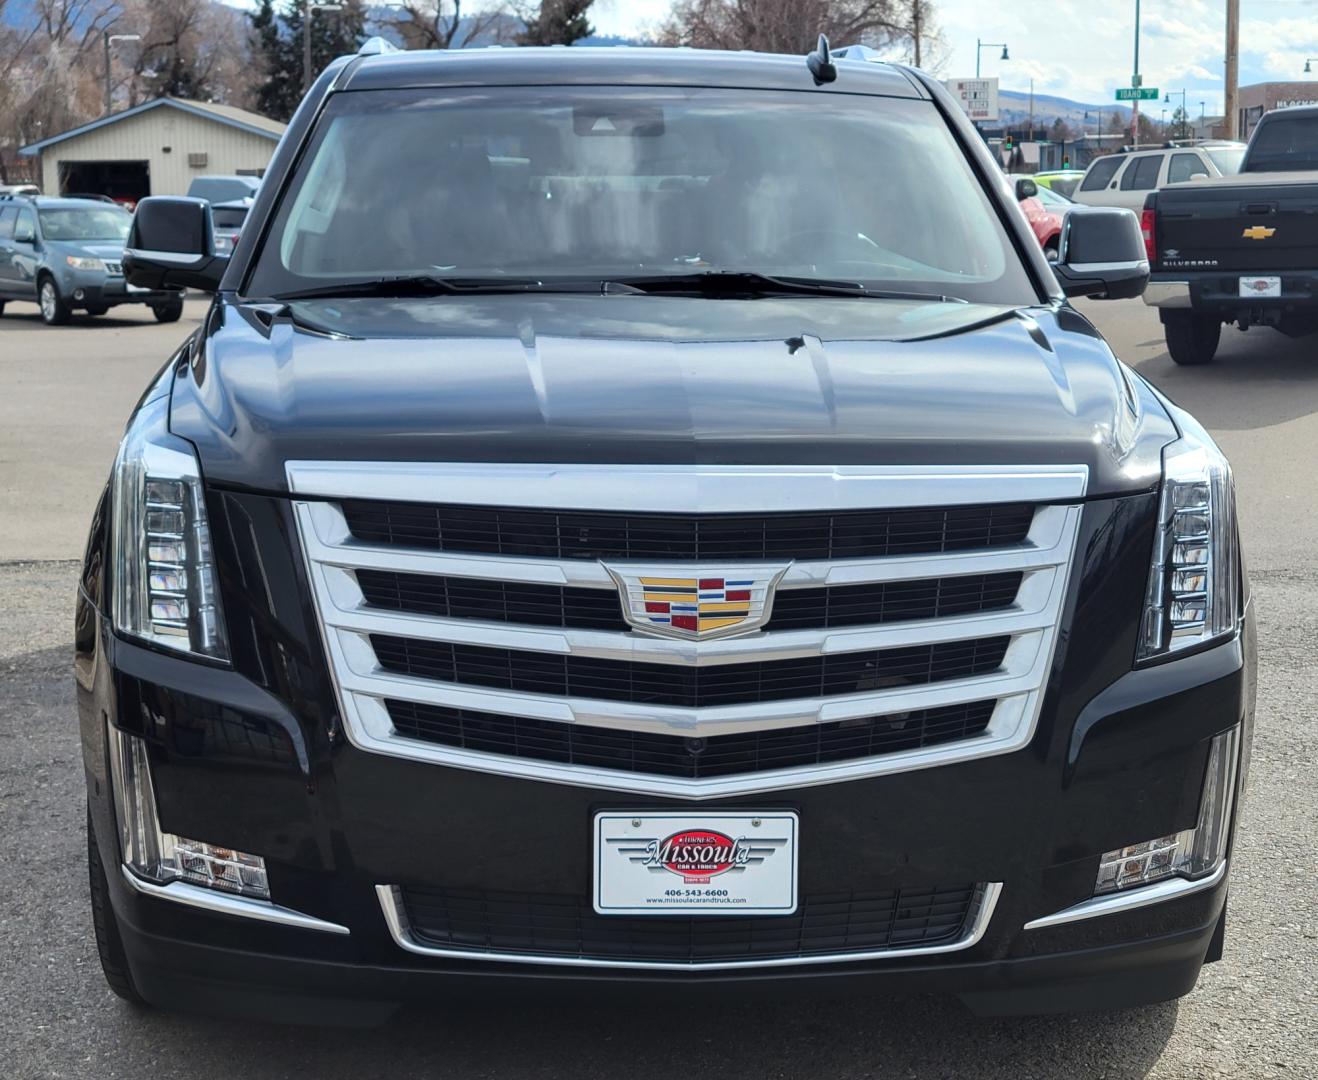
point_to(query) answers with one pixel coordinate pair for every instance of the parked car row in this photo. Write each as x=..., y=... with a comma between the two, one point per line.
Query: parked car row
x=65, y=253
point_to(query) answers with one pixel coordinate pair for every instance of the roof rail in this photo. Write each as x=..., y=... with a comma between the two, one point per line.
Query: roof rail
x=377, y=46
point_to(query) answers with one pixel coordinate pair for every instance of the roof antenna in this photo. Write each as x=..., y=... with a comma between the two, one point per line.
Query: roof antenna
x=820, y=63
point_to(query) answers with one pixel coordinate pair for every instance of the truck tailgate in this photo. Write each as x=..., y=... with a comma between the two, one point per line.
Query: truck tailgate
x=1248, y=225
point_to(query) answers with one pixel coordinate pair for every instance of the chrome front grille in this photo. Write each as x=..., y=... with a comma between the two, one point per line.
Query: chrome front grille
x=483, y=660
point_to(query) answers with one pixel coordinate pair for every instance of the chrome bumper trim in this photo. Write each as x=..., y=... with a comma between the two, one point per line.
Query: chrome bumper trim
x=396, y=919
x=1136, y=898
x=1167, y=294
x=180, y=892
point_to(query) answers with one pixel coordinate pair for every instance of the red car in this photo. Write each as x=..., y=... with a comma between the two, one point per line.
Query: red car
x=1046, y=224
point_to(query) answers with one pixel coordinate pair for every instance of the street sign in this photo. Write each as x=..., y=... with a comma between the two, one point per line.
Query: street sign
x=1137, y=93
x=979, y=97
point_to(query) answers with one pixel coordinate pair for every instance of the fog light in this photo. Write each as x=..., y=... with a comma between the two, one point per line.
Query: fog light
x=163, y=857
x=78, y=294
x=1191, y=853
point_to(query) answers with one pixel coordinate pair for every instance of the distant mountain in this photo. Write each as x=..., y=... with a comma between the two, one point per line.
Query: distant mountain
x=1015, y=109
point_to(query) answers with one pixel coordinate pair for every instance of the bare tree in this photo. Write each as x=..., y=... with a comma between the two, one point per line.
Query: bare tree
x=787, y=26
x=189, y=48
x=425, y=24
x=556, y=22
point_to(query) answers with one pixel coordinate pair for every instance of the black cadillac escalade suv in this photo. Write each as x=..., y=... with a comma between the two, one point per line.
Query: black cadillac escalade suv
x=653, y=517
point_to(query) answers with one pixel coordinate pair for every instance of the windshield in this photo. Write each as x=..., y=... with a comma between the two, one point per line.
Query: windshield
x=1227, y=159
x=609, y=183
x=1285, y=145
x=86, y=224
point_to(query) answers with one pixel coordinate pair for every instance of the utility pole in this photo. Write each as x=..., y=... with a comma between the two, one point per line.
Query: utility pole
x=107, y=39
x=308, y=11
x=1135, y=81
x=919, y=18
x=1232, y=107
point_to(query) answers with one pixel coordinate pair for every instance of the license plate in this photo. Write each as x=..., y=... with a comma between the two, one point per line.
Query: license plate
x=674, y=863
x=1260, y=286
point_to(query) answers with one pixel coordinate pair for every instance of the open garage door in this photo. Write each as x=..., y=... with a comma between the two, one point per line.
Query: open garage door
x=123, y=181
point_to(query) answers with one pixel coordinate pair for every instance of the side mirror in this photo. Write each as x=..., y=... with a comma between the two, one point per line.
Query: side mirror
x=1026, y=189
x=23, y=234
x=1102, y=254
x=171, y=246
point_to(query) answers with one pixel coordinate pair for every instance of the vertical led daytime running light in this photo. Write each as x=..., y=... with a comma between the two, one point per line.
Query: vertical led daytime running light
x=165, y=584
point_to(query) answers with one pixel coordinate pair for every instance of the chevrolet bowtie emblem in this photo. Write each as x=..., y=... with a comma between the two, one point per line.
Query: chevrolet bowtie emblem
x=1258, y=232
x=696, y=603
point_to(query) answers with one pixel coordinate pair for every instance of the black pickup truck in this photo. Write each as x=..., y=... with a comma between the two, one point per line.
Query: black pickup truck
x=600, y=537
x=1240, y=249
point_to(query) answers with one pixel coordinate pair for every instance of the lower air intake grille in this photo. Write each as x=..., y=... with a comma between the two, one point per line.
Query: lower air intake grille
x=689, y=758
x=563, y=534
x=567, y=926
x=688, y=687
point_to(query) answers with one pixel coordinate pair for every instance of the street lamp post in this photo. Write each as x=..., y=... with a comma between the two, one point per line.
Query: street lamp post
x=107, y=39
x=980, y=46
x=1308, y=65
x=1135, y=82
x=1167, y=100
x=309, y=9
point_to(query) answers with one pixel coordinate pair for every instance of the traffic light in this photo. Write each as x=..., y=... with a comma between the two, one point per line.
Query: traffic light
x=1009, y=144
x=1066, y=162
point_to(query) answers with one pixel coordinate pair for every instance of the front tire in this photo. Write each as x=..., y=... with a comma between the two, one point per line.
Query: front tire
x=55, y=310
x=1192, y=340
x=170, y=311
x=109, y=943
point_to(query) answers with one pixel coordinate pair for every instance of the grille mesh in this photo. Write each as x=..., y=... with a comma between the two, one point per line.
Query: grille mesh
x=599, y=609
x=568, y=926
x=687, y=758
x=584, y=535
x=688, y=687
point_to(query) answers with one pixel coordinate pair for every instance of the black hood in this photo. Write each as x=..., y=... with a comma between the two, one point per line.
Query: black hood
x=652, y=379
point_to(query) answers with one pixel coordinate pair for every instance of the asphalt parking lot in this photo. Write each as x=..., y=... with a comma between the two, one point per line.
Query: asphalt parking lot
x=64, y=395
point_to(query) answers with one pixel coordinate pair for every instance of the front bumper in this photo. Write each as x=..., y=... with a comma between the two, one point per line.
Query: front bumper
x=92, y=289
x=233, y=764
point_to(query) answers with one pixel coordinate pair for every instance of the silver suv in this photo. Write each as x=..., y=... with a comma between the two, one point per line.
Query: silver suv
x=1124, y=179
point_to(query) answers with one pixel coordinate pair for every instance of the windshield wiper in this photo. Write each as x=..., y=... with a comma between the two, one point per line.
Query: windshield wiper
x=430, y=285
x=742, y=283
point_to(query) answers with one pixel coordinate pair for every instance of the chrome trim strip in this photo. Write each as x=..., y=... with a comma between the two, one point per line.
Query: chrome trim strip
x=753, y=647
x=1167, y=294
x=1143, y=896
x=396, y=919
x=687, y=489
x=181, y=892
x=1005, y=734
x=325, y=535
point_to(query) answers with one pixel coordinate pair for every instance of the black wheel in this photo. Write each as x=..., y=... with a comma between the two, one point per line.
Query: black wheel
x=1191, y=339
x=2, y=307
x=55, y=310
x=169, y=311
x=109, y=944
x=97, y=312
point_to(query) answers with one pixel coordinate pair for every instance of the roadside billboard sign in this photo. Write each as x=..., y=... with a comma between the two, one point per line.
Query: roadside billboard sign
x=979, y=97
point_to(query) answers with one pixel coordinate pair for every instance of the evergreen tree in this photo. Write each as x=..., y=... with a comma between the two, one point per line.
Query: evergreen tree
x=279, y=47
x=558, y=22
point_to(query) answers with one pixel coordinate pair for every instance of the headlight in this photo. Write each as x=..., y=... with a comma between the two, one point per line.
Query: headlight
x=79, y=262
x=164, y=577
x=1193, y=594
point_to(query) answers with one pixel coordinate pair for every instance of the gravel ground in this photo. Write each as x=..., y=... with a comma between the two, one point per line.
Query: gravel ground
x=1253, y=1014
